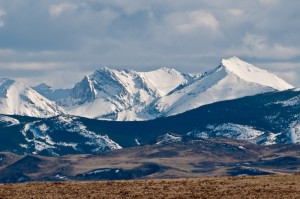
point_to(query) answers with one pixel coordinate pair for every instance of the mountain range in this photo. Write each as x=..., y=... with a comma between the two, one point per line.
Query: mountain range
x=127, y=95
x=236, y=119
x=264, y=119
x=53, y=122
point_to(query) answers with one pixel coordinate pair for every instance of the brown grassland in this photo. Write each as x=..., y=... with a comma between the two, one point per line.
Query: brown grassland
x=274, y=186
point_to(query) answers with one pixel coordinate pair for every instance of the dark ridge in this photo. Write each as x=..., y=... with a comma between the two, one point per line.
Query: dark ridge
x=241, y=171
x=28, y=164
x=163, y=154
x=12, y=176
x=122, y=174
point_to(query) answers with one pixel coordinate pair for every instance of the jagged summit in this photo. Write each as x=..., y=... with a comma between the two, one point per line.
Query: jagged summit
x=106, y=69
x=124, y=94
x=120, y=94
x=166, y=69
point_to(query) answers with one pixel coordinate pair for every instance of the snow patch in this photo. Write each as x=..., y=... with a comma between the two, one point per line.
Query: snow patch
x=41, y=136
x=271, y=139
x=236, y=131
x=137, y=142
x=291, y=102
x=295, y=132
x=97, y=171
x=169, y=138
x=9, y=121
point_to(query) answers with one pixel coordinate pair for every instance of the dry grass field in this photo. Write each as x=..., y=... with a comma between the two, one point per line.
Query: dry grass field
x=275, y=186
x=191, y=159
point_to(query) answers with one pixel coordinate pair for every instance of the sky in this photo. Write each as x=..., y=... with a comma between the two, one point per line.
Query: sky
x=60, y=41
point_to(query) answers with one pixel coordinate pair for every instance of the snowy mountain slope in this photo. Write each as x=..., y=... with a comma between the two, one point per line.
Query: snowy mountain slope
x=43, y=136
x=233, y=79
x=54, y=136
x=18, y=99
x=165, y=79
x=295, y=131
x=120, y=94
x=240, y=132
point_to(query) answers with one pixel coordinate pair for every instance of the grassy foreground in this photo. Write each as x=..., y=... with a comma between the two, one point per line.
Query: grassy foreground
x=277, y=186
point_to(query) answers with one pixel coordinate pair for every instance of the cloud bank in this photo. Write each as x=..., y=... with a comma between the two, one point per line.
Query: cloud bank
x=67, y=39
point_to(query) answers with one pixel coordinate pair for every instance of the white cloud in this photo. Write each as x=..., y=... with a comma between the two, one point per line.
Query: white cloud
x=281, y=66
x=58, y=9
x=258, y=46
x=255, y=42
x=286, y=51
x=107, y=16
x=57, y=74
x=144, y=34
x=289, y=76
x=285, y=70
x=235, y=12
x=33, y=66
x=56, y=79
x=187, y=22
x=272, y=52
x=128, y=6
x=268, y=2
x=2, y=14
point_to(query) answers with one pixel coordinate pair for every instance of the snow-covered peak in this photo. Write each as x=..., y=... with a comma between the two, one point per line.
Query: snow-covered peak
x=232, y=79
x=43, y=86
x=109, y=71
x=162, y=80
x=250, y=73
x=51, y=93
x=111, y=83
x=121, y=94
x=166, y=69
x=19, y=99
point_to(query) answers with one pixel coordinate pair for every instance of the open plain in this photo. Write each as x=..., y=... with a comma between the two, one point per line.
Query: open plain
x=274, y=186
